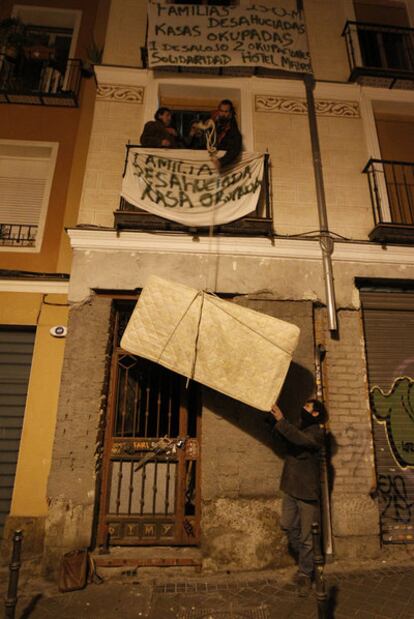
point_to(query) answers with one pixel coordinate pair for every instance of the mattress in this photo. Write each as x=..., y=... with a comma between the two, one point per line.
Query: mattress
x=240, y=352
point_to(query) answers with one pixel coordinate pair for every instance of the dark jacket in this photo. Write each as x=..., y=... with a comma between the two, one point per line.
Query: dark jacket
x=301, y=471
x=154, y=133
x=231, y=142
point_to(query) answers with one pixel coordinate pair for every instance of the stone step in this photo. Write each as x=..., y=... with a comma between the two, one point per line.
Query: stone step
x=129, y=558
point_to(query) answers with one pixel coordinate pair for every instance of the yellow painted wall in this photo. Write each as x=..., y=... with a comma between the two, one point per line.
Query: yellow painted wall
x=70, y=127
x=44, y=312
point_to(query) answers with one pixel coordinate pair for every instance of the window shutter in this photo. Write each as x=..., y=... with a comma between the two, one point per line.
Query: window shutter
x=24, y=172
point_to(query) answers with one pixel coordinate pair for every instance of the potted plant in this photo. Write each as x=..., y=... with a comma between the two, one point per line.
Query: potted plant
x=13, y=36
x=94, y=55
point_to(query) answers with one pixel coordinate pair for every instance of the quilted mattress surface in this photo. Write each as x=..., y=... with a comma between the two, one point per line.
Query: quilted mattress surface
x=242, y=353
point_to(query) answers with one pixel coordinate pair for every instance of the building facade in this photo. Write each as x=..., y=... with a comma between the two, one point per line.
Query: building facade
x=343, y=275
x=47, y=106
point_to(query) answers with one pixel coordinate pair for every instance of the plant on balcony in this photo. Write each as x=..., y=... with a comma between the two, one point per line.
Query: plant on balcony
x=94, y=55
x=16, y=38
x=13, y=36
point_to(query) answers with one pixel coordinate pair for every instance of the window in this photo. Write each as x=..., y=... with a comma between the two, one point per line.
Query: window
x=187, y=109
x=26, y=172
x=384, y=37
x=55, y=28
x=43, y=64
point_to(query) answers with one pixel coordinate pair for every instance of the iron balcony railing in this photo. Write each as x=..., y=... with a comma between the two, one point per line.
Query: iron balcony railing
x=40, y=81
x=397, y=179
x=18, y=235
x=384, y=53
x=257, y=223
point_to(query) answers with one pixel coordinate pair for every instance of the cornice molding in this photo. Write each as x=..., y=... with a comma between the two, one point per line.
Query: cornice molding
x=121, y=76
x=295, y=105
x=118, y=93
x=36, y=286
x=290, y=249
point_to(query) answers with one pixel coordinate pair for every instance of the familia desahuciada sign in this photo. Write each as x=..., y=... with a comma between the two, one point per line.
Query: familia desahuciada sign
x=184, y=186
x=246, y=34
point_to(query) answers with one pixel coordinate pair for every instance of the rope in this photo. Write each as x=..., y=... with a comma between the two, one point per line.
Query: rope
x=209, y=128
x=211, y=296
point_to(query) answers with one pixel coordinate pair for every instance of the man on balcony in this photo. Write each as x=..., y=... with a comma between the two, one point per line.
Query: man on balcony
x=228, y=136
x=158, y=133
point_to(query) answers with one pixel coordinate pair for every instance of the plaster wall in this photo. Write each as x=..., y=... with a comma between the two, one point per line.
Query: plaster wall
x=72, y=480
x=344, y=155
x=115, y=124
x=241, y=463
x=284, y=135
x=290, y=278
x=325, y=21
x=125, y=33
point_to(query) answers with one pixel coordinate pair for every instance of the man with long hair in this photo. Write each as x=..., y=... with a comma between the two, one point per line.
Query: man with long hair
x=228, y=136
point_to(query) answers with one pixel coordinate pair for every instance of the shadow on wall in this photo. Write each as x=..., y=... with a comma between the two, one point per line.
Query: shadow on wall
x=298, y=387
x=241, y=499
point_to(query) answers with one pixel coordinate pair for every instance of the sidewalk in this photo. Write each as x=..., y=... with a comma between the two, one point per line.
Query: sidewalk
x=368, y=592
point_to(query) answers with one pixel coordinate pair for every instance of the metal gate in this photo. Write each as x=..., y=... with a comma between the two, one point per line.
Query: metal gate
x=149, y=498
x=389, y=337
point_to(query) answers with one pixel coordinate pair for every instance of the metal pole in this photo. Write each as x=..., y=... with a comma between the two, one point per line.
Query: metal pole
x=320, y=353
x=318, y=562
x=14, y=567
x=325, y=239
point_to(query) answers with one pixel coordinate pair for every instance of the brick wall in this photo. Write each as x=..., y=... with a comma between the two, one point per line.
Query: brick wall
x=354, y=512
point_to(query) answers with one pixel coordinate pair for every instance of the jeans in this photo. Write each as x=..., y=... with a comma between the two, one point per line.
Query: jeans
x=296, y=521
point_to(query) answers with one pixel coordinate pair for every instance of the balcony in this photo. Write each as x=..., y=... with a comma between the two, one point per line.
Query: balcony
x=391, y=186
x=257, y=223
x=17, y=235
x=380, y=55
x=35, y=81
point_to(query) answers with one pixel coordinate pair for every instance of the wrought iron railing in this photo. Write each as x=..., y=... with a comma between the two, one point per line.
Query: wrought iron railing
x=379, y=49
x=18, y=235
x=397, y=179
x=39, y=81
x=256, y=223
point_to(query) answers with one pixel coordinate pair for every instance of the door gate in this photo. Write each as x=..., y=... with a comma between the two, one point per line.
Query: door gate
x=156, y=500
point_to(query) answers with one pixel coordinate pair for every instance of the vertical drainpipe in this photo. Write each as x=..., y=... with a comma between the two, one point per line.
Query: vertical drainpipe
x=325, y=240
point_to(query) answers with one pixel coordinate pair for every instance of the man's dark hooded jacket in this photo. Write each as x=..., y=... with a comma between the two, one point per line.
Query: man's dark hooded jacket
x=301, y=470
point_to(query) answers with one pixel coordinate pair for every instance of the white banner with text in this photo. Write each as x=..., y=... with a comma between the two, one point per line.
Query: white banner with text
x=184, y=185
x=243, y=35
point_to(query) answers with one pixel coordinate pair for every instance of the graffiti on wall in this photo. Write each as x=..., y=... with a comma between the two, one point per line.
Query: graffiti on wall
x=396, y=410
x=393, y=412
x=395, y=502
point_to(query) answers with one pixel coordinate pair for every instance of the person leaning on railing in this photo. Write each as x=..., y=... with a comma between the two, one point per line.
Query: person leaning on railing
x=158, y=133
x=228, y=136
